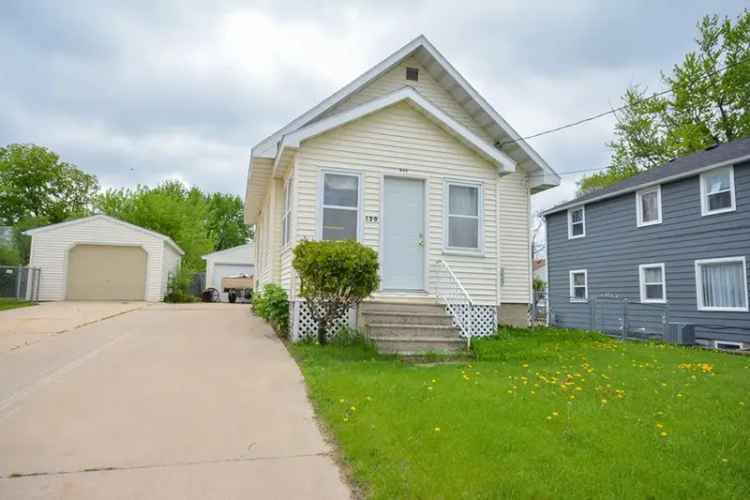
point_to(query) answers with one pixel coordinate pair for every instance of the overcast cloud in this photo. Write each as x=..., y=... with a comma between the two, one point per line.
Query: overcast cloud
x=148, y=90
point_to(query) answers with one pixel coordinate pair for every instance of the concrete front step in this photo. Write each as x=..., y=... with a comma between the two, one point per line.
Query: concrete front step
x=418, y=345
x=401, y=307
x=415, y=331
x=408, y=318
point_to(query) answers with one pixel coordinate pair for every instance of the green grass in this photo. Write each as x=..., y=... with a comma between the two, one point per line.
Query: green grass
x=543, y=413
x=12, y=304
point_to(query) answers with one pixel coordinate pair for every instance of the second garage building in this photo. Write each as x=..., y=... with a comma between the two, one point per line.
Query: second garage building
x=102, y=258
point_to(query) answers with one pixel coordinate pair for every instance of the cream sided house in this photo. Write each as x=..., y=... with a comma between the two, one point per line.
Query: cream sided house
x=410, y=160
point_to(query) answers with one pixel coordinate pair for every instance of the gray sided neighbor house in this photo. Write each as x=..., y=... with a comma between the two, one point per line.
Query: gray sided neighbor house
x=670, y=245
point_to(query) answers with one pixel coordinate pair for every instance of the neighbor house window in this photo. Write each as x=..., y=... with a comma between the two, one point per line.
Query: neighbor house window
x=717, y=191
x=340, y=206
x=721, y=284
x=463, y=214
x=648, y=206
x=653, y=283
x=576, y=222
x=286, y=219
x=579, y=286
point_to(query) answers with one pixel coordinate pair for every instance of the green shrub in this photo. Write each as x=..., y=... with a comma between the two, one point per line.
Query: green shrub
x=334, y=276
x=178, y=287
x=9, y=256
x=272, y=304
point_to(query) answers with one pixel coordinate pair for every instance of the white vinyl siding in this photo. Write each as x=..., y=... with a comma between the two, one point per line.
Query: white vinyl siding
x=576, y=222
x=395, y=79
x=721, y=284
x=648, y=206
x=462, y=220
x=652, y=279
x=269, y=228
x=579, y=285
x=400, y=141
x=49, y=251
x=717, y=191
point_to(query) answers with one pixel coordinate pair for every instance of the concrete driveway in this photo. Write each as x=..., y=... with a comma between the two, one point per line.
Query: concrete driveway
x=165, y=401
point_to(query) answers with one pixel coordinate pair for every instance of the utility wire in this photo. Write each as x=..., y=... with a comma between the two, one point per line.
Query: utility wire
x=614, y=110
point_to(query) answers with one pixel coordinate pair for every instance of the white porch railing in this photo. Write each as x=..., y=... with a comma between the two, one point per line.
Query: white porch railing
x=456, y=299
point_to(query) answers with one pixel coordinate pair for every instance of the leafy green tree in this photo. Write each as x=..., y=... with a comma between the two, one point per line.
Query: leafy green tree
x=171, y=209
x=35, y=183
x=334, y=276
x=9, y=255
x=708, y=103
x=226, y=221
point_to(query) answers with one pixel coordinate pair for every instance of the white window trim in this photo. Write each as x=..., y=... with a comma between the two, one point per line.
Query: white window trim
x=642, y=283
x=699, y=284
x=572, y=288
x=286, y=234
x=639, y=206
x=704, y=196
x=321, y=199
x=479, y=250
x=570, y=222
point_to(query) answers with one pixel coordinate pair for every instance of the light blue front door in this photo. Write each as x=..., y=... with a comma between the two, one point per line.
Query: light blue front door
x=403, y=234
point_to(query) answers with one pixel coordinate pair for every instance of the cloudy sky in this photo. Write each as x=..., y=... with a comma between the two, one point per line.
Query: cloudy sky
x=140, y=91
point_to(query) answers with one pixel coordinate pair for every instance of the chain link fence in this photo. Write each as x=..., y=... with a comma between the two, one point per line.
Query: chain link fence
x=538, y=308
x=21, y=283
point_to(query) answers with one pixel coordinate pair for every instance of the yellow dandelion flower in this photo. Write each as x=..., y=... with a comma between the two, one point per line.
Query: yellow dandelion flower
x=549, y=418
x=572, y=397
x=554, y=413
x=604, y=401
x=659, y=426
x=437, y=429
x=663, y=434
x=434, y=381
x=525, y=365
x=679, y=395
x=346, y=419
x=353, y=408
x=341, y=400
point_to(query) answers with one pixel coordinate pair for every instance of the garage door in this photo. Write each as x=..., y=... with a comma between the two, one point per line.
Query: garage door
x=104, y=272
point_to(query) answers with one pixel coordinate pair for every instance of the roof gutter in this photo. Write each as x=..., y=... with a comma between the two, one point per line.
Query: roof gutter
x=645, y=185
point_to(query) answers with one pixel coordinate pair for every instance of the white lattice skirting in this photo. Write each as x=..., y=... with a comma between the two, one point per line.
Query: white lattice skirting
x=304, y=326
x=484, y=321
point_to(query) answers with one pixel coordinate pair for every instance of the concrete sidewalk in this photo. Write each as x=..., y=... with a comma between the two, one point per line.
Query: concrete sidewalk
x=192, y=401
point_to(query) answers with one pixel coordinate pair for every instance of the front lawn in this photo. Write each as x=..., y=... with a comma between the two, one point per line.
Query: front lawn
x=543, y=413
x=12, y=304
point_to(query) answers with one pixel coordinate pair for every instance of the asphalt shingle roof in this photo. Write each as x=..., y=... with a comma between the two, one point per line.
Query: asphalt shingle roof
x=676, y=168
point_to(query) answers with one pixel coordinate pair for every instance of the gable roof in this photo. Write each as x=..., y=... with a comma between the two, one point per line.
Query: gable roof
x=219, y=253
x=107, y=218
x=504, y=162
x=541, y=175
x=685, y=166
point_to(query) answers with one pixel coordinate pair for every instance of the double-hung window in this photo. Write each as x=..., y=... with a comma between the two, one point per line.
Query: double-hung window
x=576, y=222
x=286, y=219
x=648, y=208
x=653, y=283
x=340, y=206
x=579, y=285
x=721, y=284
x=717, y=191
x=463, y=217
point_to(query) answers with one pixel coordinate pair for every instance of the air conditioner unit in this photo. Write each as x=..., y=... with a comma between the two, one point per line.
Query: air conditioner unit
x=680, y=334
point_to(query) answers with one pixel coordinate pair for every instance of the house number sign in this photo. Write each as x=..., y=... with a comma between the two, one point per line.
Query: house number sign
x=372, y=219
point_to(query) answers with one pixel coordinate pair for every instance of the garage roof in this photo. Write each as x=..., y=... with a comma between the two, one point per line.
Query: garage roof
x=166, y=239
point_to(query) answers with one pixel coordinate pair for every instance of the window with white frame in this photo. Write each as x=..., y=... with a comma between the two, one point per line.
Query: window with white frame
x=717, y=191
x=576, y=222
x=648, y=206
x=721, y=284
x=340, y=206
x=653, y=283
x=463, y=214
x=579, y=286
x=286, y=219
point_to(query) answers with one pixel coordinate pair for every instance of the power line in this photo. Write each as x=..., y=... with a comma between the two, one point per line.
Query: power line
x=614, y=110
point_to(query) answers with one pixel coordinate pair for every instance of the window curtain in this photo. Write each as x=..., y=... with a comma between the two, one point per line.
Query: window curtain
x=723, y=285
x=650, y=209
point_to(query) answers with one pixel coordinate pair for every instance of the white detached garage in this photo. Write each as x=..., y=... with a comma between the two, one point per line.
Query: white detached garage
x=102, y=258
x=235, y=261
